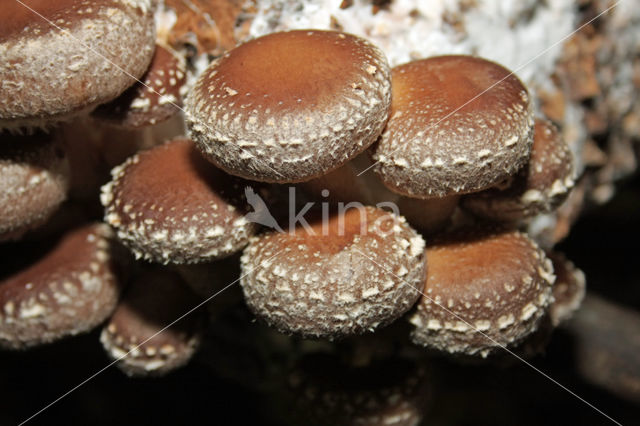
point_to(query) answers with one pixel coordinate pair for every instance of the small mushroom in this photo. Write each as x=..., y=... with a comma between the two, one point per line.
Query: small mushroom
x=62, y=58
x=541, y=186
x=153, y=100
x=34, y=181
x=346, y=274
x=169, y=205
x=458, y=124
x=485, y=289
x=568, y=291
x=291, y=106
x=69, y=289
x=140, y=334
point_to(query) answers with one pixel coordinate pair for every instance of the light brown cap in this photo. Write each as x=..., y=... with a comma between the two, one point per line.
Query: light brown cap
x=325, y=391
x=484, y=289
x=569, y=289
x=34, y=181
x=541, y=186
x=153, y=100
x=169, y=205
x=49, y=72
x=291, y=106
x=135, y=331
x=347, y=280
x=458, y=124
x=69, y=289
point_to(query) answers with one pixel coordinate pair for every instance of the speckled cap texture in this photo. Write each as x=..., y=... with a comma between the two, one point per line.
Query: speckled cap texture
x=485, y=289
x=336, y=283
x=288, y=107
x=458, y=124
x=49, y=72
x=72, y=288
x=34, y=181
x=170, y=205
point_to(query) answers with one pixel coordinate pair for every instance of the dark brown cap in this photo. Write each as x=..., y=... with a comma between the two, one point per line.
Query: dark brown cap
x=288, y=107
x=138, y=334
x=34, y=181
x=541, y=186
x=339, y=281
x=484, y=289
x=568, y=291
x=70, y=289
x=170, y=205
x=458, y=124
x=52, y=71
x=153, y=100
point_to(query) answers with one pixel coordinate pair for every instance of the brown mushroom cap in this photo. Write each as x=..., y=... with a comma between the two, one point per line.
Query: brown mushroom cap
x=168, y=204
x=50, y=72
x=458, y=124
x=335, y=283
x=34, y=181
x=135, y=331
x=325, y=391
x=541, y=186
x=155, y=99
x=568, y=291
x=291, y=106
x=484, y=290
x=72, y=288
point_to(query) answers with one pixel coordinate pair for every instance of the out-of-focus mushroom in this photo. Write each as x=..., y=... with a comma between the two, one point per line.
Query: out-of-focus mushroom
x=34, y=180
x=485, y=289
x=288, y=107
x=65, y=57
x=322, y=390
x=69, y=289
x=170, y=205
x=568, y=290
x=346, y=274
x=153, y=100
x=138, y=334
x=541, y=186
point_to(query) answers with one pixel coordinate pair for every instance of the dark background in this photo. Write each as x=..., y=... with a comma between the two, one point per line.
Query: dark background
x=603, y=243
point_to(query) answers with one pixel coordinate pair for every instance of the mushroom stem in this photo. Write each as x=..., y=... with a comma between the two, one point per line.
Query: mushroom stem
x=430, y=215
x=606, y=346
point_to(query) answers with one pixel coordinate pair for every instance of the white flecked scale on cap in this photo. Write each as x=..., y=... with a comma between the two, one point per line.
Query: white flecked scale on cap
x=170, y=205
x=288, y=107
x=484, y=290
x=49, y=73
x=71, y=289
x=458, y=124
x=335, y=285
x=34, y=181
x=138, y=331
x=541, y=186
x=153, y=100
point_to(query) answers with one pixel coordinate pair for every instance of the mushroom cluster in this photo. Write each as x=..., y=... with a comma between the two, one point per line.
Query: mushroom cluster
x=353, y=195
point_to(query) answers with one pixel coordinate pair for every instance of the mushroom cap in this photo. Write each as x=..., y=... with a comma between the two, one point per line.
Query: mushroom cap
x=458, y=124
x=291, y=106
x=325, y=391
x=569, y=289
x=541, y=186
x=168, y=204
x=155, y=99
x=70, y=289
x=482, y=285
x=34, y=181
x=338, y=282
x=135, y=331
x=52, y=72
